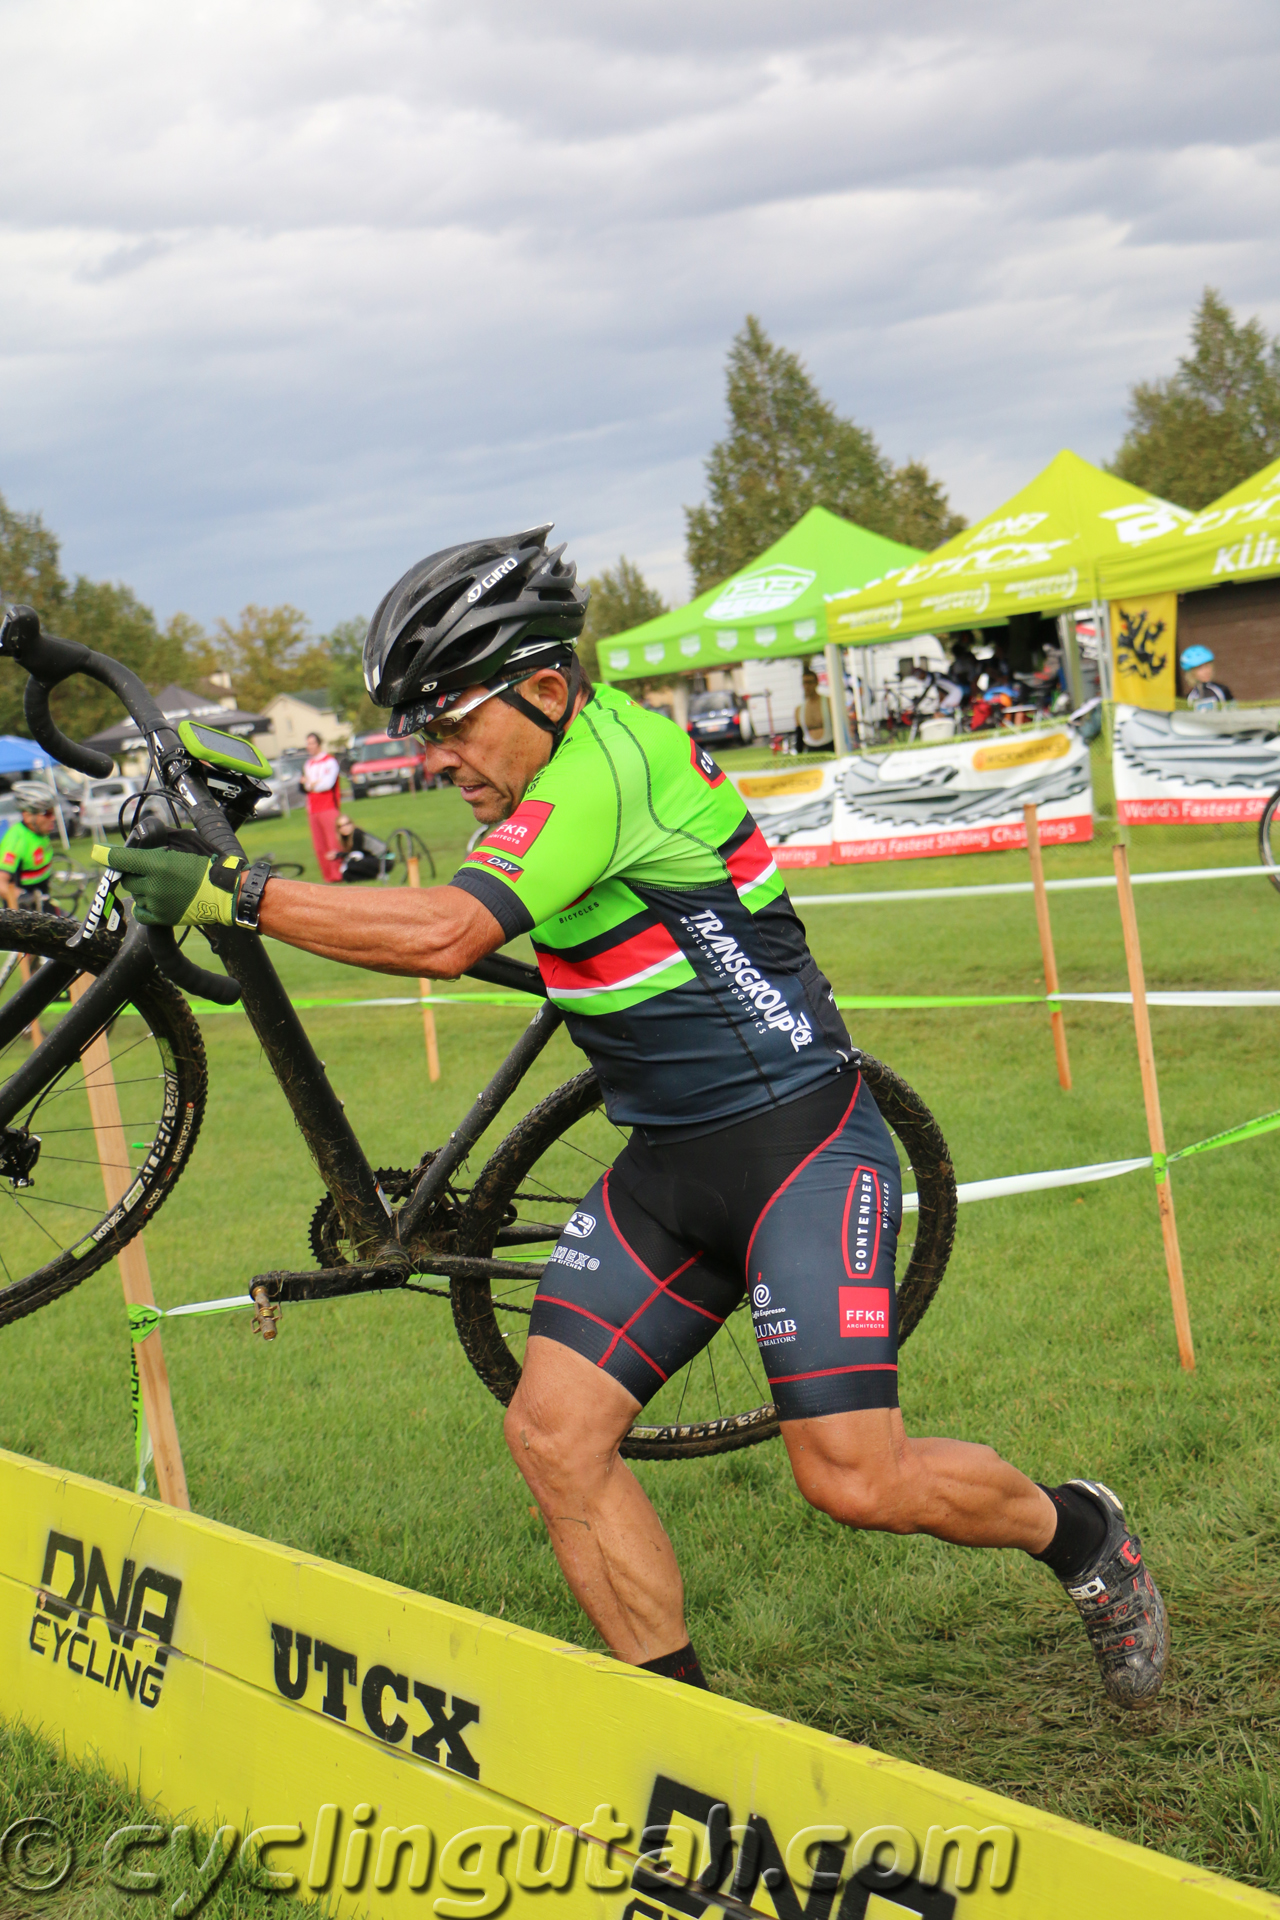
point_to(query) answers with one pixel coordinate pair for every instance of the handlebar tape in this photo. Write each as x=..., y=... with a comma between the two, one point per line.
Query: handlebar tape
x=35, y=704
x=173, y=963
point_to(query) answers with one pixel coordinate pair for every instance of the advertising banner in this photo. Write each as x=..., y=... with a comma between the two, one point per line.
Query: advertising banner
x=965, y=796
x=1195, y=767
x=795, y=810
x=398, y=1756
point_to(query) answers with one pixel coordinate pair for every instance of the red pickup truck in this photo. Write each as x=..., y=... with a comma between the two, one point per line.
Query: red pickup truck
x=382, y=765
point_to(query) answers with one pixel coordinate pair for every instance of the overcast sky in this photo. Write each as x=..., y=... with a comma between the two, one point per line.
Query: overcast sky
x=295, y=293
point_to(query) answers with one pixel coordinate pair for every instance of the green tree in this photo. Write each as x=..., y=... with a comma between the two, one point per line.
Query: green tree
x=787, y=449
x=270, y=650
x=621, y=598
x=108, y=617
x=348, y=694
x=1215, y=421
x=29, y=571
x=111, y=619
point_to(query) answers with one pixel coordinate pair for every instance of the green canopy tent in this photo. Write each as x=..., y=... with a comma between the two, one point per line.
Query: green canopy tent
x=1236, y=539
x=772, y=608
x=1041, y=552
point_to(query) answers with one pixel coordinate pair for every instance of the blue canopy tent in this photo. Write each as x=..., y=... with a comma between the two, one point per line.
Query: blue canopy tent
x=21, y=756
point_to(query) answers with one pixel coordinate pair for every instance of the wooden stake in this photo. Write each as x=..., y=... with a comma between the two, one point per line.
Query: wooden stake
x=24, y=974
x=1046, y=945
x=1151, y=1095
x=135, y=1275
x=424, y=988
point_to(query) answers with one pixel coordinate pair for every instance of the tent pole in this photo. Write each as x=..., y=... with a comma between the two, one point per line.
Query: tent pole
x=840, y=742
x=1071, y=658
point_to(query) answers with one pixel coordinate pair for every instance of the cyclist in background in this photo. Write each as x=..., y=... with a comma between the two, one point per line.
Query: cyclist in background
x=757, y=1162
x=26, y=857
x=1204, y=693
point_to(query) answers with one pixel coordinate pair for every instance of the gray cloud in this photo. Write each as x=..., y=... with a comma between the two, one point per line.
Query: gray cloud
x=293, y=294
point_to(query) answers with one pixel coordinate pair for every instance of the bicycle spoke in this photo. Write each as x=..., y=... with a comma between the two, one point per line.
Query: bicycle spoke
x=35, y=1223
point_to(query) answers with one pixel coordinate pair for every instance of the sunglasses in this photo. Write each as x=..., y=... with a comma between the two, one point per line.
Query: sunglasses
x=448, y=726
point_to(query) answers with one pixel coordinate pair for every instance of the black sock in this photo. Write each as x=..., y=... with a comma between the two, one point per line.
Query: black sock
x=1081, y=1530
x=681, y=1665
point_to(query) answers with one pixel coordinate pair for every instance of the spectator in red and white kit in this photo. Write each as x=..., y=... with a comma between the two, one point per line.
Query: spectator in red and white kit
x=321, y=776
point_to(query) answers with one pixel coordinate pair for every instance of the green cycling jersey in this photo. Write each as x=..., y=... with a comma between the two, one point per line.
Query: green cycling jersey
x=25, y=858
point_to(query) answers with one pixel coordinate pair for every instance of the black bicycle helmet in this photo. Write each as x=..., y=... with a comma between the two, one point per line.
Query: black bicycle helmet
x=469, y=616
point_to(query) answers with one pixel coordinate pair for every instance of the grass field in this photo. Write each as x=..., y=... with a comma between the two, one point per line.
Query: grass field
x=1051, y=1338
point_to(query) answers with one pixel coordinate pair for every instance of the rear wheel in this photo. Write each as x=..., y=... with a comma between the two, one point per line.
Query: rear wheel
x=539, y=1176
x=55, y=1225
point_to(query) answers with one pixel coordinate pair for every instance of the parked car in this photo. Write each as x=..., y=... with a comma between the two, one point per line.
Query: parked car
x=100, y=804
x=286, y=793
x=383, y=765
x=720, y=719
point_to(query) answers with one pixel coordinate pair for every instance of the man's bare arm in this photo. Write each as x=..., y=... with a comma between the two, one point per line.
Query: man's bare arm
x=436, y=931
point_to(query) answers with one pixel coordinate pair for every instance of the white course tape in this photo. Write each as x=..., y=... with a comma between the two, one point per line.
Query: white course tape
x=1251, y=997
x=224, y=1305
x=1025, y=886
x=1036, y=1182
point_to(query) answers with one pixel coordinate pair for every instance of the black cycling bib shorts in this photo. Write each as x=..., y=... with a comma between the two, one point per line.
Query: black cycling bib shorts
x=802, y=1205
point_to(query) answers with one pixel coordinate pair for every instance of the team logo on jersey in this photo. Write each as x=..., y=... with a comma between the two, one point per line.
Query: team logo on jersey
x=864, y=1313
x=705, y=765
x=496, y=860
x=518, y=834
x=580, y=1225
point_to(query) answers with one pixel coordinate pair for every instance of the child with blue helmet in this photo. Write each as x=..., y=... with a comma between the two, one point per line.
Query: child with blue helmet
x=1204, y=693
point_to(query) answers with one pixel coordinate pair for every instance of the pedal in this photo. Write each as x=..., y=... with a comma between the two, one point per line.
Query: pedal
x=266, y=1320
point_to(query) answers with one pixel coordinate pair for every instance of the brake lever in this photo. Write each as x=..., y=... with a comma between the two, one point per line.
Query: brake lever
x=168, y=957
x=97, y=907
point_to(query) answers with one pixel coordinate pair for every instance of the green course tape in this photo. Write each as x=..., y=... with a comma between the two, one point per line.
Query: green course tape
x=1251, y=1128
x=142, y=1321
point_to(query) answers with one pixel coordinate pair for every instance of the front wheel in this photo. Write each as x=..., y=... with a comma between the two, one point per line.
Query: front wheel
x=136, y=1099
x=1269, y=839
x=539, y=1175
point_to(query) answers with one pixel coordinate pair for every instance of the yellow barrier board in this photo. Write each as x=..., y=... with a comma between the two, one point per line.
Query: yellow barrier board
x=405, y=1757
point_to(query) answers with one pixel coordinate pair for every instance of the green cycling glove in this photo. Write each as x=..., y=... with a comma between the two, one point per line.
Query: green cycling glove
x=178, y=889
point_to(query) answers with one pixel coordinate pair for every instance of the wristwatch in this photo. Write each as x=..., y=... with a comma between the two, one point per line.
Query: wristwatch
x=249, y=895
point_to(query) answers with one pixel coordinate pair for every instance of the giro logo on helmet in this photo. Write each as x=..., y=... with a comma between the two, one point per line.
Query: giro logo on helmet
x=492, y=579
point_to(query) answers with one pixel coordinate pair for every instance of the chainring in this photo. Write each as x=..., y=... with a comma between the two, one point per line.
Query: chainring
x=328, y=1247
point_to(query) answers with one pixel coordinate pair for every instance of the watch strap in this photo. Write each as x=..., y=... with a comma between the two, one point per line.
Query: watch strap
x=249, y=895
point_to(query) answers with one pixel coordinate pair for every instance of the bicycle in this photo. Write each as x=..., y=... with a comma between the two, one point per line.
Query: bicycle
x=1269, y=839
x=487, y=1234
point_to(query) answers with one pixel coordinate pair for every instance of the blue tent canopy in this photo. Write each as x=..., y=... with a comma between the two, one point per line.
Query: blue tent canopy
x=20, y=756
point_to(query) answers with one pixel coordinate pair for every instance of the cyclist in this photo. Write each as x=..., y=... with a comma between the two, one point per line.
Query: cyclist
x=26, y=856
x=757, y=1157
x=1204, y=693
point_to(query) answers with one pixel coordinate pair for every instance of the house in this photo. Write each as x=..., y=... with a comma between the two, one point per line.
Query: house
x=294, y=715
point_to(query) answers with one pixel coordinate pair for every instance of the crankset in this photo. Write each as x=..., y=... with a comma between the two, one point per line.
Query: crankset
x=328, y=1243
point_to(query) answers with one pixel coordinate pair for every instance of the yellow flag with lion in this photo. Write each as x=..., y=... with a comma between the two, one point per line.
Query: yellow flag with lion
x=1144, y=651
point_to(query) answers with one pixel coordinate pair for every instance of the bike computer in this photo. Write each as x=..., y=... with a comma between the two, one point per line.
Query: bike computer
x=226, y=750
